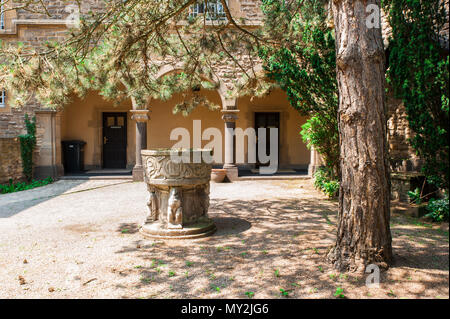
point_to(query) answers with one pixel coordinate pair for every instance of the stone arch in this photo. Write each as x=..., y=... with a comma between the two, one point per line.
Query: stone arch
x=167, y=69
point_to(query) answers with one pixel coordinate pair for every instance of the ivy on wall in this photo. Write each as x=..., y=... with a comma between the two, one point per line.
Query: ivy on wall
x=27, y=145
x=419, y=74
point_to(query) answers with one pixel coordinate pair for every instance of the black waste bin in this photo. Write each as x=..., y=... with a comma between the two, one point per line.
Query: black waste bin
x=73, y=153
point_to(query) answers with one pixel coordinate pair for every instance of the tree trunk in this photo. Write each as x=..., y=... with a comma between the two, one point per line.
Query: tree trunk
x=364, y=235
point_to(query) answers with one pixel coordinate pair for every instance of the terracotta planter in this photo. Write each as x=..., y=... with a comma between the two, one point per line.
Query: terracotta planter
x=178, y=201
x=218, y=175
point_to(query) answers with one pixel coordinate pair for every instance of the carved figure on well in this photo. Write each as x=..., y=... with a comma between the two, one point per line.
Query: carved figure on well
x=152, y=205
x=175, y=211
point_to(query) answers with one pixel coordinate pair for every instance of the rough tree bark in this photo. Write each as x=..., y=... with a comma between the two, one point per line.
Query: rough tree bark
x=364, y=235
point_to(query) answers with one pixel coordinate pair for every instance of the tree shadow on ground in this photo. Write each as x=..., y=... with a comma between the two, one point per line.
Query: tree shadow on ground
x=128, y=228
x=263, y=246
x=230, y=225
x=14, y=203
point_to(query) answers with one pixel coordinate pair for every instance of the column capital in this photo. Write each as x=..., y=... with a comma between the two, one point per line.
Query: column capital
x=140, y=115
x=230, y=115
x=228, y=103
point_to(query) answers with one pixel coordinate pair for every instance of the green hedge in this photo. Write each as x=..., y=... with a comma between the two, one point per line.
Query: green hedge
x=21, y=186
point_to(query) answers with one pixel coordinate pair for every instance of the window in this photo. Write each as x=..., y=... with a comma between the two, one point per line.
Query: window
x=214, y=10
x=2, y=99
x=2, y=17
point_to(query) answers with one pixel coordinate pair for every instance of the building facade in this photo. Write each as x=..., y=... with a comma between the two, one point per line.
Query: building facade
x=115, y=135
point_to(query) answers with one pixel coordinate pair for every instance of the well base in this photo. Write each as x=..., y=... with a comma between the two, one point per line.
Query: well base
x=158, y=230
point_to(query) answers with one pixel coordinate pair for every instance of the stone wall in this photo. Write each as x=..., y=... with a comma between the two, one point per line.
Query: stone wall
x=402, y=157
x=402, y=183
x=251, y=10
x=10, y=160
x=58, y=9
x=37, y=36
x=12, y=123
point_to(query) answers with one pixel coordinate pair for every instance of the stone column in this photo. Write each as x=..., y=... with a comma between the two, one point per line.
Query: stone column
x=141, y=117
x=315, y=162
x=58, y=145
x=230, y=117
x=46, y=145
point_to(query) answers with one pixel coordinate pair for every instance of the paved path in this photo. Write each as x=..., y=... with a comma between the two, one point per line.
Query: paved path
x=79, y=239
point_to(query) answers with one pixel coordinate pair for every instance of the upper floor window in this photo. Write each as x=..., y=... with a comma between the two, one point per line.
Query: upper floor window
x=213, y=10
x=2, y=16
x=2, y=99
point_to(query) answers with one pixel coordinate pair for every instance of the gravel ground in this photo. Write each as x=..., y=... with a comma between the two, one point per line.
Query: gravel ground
x=80, y=239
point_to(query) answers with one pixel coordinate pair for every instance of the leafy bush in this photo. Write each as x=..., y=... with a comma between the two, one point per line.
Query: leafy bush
x=320, y=177
x=438, y=209
x=21, y=186
x=324, y=182
x=331, y=188
x=414, y=197
x=316, y=133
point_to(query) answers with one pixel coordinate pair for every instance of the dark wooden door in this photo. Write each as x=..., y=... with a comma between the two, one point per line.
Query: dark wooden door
x=266, y=120
x=114, y=140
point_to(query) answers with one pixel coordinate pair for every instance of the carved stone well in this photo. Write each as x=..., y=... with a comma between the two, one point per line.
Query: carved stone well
x=178, y=186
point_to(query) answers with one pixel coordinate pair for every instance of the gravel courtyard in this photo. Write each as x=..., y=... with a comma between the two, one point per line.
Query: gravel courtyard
x=80, y=239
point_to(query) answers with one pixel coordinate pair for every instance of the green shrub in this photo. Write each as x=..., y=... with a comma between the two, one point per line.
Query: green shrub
x=318, y=134
x=331, y=188
x=438, y=209
x=21, y=186
x=320, y=177
x=324, y=182
x=414, y=197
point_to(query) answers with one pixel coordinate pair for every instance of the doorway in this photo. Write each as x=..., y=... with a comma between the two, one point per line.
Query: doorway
x=114, y=140
x=267, y=120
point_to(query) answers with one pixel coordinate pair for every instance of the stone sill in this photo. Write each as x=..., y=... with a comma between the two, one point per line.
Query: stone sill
x=406, y=176
x=17, y=22
x=411, y=210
